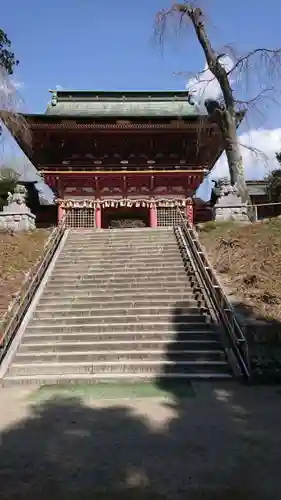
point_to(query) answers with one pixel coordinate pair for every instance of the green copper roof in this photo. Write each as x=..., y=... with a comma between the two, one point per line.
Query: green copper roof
x=122, y=104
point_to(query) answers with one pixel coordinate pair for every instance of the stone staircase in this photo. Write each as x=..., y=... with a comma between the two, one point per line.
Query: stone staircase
x=118, y=305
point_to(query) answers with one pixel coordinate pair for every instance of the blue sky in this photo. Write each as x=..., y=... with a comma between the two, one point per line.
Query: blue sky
x=107, y=44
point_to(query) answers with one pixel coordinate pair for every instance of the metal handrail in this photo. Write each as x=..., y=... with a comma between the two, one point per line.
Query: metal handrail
x=221, y=306
x=14, y=316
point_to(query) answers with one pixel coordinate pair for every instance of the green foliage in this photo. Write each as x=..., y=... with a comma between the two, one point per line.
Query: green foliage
x=8, y=60
x=210, y=226
x=274, y=183
x=8, y=182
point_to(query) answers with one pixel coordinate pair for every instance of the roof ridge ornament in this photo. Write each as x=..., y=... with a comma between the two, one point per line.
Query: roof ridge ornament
x=54, y=99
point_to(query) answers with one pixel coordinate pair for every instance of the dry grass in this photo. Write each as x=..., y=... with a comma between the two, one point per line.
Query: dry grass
x=248, y=259
x=17, y=256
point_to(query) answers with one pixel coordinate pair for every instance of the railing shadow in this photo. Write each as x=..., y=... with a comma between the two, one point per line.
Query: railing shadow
x=264, y=340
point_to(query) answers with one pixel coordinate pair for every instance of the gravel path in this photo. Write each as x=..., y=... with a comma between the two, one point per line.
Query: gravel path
x=222, y=444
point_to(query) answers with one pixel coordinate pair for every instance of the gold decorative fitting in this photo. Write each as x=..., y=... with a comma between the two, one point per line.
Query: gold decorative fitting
x=149, y=203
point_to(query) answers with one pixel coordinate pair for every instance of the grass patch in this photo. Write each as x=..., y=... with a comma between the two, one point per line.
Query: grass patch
x=248, y=258
x=113, y=391
x=18, y=253
x=211, y=226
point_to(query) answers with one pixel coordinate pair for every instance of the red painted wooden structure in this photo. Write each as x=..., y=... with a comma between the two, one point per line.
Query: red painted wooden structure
x=122, y=149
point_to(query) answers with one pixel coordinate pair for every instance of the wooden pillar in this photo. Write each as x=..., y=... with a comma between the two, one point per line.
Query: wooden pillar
x=153, y=216
x=98, y=217
x=60, y=213
x=189, y=212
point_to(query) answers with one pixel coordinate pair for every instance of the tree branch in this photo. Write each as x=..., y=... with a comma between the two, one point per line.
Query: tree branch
x=10, y=103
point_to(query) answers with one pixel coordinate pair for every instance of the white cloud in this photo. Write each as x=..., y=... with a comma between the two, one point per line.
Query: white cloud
x=256, y=166
x=46, y=195
x=10, y=99
x=59, y=87
x=204, y=85
x=259, y=164
x=17, y=84
x=9, y=85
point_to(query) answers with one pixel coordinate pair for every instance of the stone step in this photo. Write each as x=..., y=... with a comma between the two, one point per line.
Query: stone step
x=108, y=378
x=85, y=265
x=150, y=256
x=114, y=235
x=124, y=236
x=124, y=345
x=122, y=230
x=23, y=358
x=114, y=259
x=119, y=305
x=88, y=313
x=119, y=245
x=130, y=293
x=136, y=240
x=106, y=253
x=113, y=285
x=98, y=267
x=124, y=271
x=42, y=335
x=117, y=367
x=149, y=253
x=120, y=278
x=139, y=278
x=115, y=320
x=146, y=234
x=170, y=245
x=76, y=271
x=64, y=305
x=130, y=242
x=113, y=290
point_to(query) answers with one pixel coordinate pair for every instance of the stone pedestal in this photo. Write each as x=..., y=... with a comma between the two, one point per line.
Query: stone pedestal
x=16, y=216
x=229, y=206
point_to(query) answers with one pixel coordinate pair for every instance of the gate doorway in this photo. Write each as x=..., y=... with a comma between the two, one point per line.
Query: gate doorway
x=80, y=218
x=125, y=217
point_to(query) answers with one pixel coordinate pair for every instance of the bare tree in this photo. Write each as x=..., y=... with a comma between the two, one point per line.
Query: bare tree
x=10, y=99
x=10, y=107
x=224, y=112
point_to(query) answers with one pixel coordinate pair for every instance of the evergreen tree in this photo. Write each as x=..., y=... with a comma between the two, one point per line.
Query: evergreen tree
x=274, y=182
x=8, y=60
x=8, y=182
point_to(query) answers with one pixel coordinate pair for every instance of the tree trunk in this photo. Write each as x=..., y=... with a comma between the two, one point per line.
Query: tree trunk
x=233, y=154
x=226, y=117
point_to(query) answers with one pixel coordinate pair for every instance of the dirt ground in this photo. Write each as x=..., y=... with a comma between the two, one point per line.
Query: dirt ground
x=222, y=443
x=18, y=254
x=248, y=261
